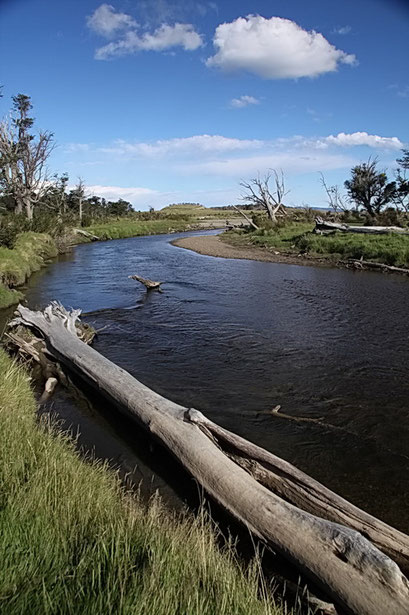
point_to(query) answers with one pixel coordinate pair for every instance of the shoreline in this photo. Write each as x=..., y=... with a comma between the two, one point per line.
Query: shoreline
x=212, y=245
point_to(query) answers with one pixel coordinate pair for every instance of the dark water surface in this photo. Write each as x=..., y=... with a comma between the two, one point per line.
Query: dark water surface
x=236, y=338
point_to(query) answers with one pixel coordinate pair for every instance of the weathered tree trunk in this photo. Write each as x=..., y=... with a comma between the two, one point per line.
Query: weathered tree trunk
x=28, y=205
x=295, y=515
x=149, y=284
x=324, y=226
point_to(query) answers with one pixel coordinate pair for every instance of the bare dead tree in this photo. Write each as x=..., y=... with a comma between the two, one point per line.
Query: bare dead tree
x=79, y=193
x=23, y=171
x=259, y=194
x=336, y=200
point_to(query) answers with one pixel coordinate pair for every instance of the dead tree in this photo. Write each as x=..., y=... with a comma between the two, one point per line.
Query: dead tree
x=353, y=556
x=23, y=171
x=258, y=193
x=336, y=200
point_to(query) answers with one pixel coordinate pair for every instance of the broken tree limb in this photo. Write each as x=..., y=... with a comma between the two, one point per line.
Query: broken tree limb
x=149, y=284
x=80, y=231
x=361, y=264
x=325, y=226
x=249, y=220
x=329, y=539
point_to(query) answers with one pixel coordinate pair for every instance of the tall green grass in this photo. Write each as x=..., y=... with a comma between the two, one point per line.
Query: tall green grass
x=17, y=264
x=390, y=249
x=72, y=542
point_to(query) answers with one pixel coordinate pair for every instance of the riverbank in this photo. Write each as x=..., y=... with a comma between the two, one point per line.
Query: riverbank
x=297, y=244
x=72, y=541
x=215, y=245
x=29, y=254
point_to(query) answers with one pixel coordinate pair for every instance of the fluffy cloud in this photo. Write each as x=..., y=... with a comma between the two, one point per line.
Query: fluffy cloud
x=274, y=48
x=363, y=138
x=106, y=21
x=164, y=37
x=244, y=101
x=290, y=161
x=195, y=145
x=208, y=146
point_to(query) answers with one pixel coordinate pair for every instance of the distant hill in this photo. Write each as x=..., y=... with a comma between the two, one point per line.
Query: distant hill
x=184, y=208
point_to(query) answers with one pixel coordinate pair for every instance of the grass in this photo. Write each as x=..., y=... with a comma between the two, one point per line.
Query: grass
x=17, y=264
x=72, y=542
x=121, y=229
x=392, y=249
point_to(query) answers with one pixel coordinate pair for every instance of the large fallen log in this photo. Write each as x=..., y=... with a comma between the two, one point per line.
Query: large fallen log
x=325, y=226
x=349, y=553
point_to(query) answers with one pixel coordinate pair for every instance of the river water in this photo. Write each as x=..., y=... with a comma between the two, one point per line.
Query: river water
x=234, y=338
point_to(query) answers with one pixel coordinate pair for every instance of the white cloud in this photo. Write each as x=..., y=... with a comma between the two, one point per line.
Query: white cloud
x=363, y=138
x=274, y=48
x=195, y=145
x=164, y=37
x=244, y=101
x=106, y=21
x=132, y=194
x=343, y=30
x=291, y=162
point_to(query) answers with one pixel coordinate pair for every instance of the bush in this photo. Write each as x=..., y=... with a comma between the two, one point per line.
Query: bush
x=10, y=226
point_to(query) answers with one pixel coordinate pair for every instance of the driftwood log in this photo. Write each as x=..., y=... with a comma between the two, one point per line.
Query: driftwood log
x=80, y=231
x=324, y=226
x=361, y=264
x=149, y=284
x=353, y=556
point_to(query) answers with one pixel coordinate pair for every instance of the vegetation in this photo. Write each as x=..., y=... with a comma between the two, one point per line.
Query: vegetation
x=28, y=255
x=119, y=229
x=369, y=188
x=297, y=237
x=73, y=542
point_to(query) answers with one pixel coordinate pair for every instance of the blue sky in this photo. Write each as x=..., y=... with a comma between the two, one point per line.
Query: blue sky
x=163, y=101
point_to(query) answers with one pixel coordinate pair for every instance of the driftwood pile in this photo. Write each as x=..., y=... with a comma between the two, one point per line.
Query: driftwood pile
x=357, y=560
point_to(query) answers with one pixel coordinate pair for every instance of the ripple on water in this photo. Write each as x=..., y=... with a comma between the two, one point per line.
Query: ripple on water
x=236, y=338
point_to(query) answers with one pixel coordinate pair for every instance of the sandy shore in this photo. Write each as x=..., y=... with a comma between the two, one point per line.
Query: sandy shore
x=212, y=245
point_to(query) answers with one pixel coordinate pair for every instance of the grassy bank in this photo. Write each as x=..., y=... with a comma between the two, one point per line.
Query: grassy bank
x=298, y=238
x=71, y=542
x=17, y=264
x=120, y=229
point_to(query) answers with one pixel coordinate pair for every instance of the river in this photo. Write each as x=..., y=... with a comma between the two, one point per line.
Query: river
x=236, y=338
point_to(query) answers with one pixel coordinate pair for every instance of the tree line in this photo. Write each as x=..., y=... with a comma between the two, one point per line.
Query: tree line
x=28, y=189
